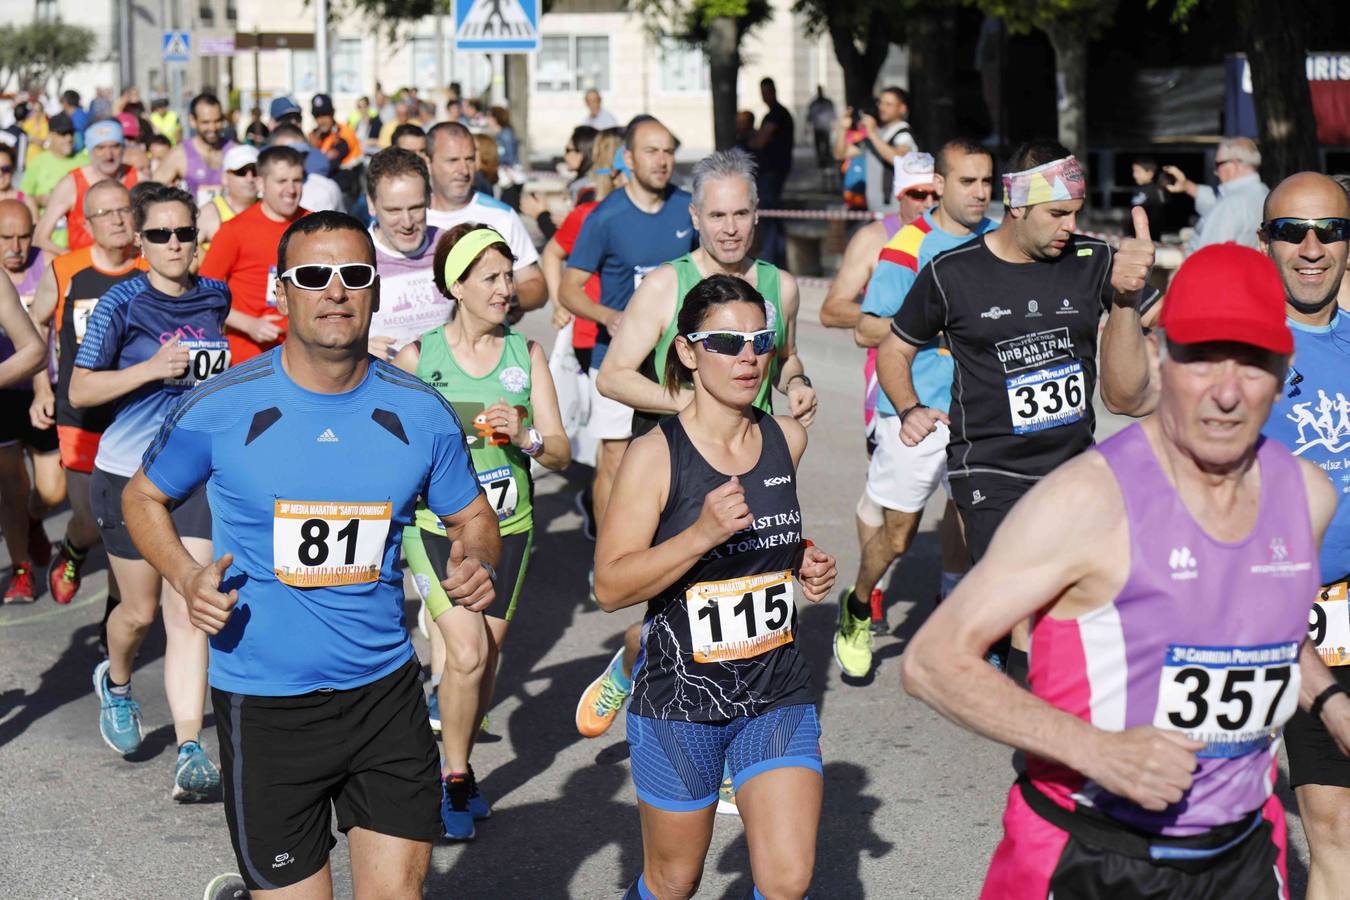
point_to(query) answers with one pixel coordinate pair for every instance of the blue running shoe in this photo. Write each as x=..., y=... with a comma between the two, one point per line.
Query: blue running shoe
x=195, y=777
x=119, y=718
x=478, y=805
x=455, y=815
x=434, y=710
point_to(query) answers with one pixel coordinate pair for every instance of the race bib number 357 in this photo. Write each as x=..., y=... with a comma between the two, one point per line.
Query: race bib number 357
x=1047, y=398
x=741, y=617
x=318, y=544
x=1234, y=699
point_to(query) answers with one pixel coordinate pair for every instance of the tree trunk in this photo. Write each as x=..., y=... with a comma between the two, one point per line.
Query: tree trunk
x=861, y=66
x=1277, y=49
x=724, y=65
x=518, y=101
x=932, y=77
x=1068, y=37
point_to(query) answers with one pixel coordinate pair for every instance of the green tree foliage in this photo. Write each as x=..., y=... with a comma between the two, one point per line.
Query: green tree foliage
x=862, y=32
x=37, y=53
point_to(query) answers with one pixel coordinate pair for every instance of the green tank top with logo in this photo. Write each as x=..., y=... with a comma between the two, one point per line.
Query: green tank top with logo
x=767, y=281
x=503, y=468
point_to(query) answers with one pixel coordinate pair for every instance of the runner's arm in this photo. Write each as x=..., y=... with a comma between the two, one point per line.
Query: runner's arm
x=895, y=362
x=61, y=201
x=150, y=523
x=643, y=323
x=170, y=170
x=531, y=289
x=885, y=295
x=842, y=308
x=572, y=296
x=29, y=348
x=801, y=396
x=557, y=452
x=1128, y=383
x=1316, y=677
x=476, y=526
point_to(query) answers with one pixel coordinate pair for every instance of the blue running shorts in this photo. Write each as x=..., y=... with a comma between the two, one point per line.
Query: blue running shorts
x=677, y=766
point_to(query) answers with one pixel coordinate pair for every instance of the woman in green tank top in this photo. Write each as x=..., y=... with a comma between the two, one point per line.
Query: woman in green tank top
x=500, y=387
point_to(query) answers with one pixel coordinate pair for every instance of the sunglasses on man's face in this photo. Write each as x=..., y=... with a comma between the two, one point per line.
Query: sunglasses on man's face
x=6, y=170
x=247, y=171
x=316, y=276
x=185, y=235
x=921, y=195
x=730, y=343
x=1329, y=230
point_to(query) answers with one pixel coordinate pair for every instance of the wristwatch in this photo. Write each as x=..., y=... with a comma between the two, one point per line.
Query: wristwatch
x=492, y=573
x=536, y=442
x=806, y=381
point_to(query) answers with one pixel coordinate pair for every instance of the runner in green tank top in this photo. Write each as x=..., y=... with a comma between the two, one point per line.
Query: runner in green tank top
x=499, y=385
x=723, y=210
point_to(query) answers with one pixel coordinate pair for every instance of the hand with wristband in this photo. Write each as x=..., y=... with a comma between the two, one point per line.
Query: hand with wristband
x=918, y=421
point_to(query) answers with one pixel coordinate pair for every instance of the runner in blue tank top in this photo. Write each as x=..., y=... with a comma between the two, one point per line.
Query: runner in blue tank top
x=314, y=682
x=148, y=341
x=719, y=559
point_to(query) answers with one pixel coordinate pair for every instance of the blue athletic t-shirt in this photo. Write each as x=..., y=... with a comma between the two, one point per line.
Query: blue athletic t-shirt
x=127, y=327
x=1312, y=419
x=900, y=262
x=311, y=493
x=623, y=244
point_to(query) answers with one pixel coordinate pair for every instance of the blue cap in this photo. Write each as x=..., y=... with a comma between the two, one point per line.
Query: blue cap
x=284, y=106
x=620, y=164
x=105, y=131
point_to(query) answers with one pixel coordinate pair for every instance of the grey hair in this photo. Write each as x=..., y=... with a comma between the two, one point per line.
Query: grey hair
x=733, y=163
x=1242, y=149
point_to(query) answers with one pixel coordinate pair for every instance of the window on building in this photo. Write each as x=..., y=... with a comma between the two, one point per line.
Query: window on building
x=684, y=69
x=347, y=58
x=568, y=62
x=304, y=71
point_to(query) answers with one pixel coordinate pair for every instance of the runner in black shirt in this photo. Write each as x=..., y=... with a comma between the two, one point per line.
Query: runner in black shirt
x=1019, y=308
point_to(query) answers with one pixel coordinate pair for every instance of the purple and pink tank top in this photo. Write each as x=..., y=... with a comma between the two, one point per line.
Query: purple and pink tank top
x=200, y=180
x=1203, y=639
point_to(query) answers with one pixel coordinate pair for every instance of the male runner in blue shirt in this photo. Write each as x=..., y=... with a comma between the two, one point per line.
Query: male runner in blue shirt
x=314, y=455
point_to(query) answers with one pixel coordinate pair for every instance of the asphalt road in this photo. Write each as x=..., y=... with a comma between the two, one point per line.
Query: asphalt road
x=912, y=804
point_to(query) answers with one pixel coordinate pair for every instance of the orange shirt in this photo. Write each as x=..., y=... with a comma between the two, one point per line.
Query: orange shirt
x=243, y=254
x=343, y=132
x=76, y=227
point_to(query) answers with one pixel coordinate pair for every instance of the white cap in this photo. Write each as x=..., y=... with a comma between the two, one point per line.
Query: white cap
x=913, y=169
x=238, y=156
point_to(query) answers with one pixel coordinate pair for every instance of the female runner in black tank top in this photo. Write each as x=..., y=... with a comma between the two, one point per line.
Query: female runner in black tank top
x=718, y=559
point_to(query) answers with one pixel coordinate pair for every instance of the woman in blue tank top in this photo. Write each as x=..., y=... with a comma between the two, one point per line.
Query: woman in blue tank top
x=711, y=540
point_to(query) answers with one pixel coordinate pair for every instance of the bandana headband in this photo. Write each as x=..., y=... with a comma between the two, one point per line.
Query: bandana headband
x=466, y=250
x=1054, y=181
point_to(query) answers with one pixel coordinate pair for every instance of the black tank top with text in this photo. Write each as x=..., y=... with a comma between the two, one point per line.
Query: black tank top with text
x=721, y=642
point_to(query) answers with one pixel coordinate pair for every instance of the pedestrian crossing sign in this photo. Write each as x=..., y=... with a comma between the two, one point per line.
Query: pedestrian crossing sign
x=510, y=26
x=177, y=47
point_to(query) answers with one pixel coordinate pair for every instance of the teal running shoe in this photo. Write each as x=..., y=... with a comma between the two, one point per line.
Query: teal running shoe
x=455, y=815
x=195, y=777
x=119, y=718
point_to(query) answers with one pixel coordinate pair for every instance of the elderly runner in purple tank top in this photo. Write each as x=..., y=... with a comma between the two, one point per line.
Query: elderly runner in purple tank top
x=1169, y=641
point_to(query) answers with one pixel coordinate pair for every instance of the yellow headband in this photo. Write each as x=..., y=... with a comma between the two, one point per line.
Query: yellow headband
x=466, y=250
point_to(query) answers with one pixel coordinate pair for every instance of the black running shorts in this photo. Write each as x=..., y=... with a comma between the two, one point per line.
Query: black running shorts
x=16, y=427
x=1314, y=757
x=287, y=762
x=191, y=515
x=984, y=501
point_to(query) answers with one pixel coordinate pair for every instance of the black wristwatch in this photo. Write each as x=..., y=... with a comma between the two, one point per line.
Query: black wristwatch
x=806, y=381
x=909, y=409
x=1321, y=700
x=492, y=573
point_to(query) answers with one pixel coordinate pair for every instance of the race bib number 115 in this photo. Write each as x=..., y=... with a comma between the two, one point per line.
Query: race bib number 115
x=1235, y=699
x=741, y=617
x=316, y=544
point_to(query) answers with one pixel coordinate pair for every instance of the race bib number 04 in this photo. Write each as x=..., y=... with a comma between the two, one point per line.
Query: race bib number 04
x=1047, y=398
x=501, y=491
x=741, y=617
x=1329, y=625
x=318, y=544
x=1234, y=699
x=205, y=360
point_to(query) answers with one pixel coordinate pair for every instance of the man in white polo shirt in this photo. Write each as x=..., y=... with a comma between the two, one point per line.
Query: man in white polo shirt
x=454, y=162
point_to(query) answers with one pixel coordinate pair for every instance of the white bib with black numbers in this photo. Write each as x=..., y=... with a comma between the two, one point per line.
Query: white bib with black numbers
x=1234, y=699
x=1047, y=398
x=501, y=491
x=322, y=544
x=741, y=617
x=1329, y=625
x=206, y=359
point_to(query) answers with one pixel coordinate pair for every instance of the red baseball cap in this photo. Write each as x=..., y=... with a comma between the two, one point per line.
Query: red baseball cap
x=1225, y=292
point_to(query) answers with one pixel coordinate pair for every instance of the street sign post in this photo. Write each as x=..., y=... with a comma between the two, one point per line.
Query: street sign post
x=497, y=26
x=177, y=47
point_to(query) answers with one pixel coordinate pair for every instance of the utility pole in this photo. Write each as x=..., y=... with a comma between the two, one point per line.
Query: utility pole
x=321, y=43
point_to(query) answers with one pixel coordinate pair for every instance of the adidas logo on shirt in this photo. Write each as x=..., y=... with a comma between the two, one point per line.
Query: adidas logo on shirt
x=328, y=437
x=1183, y=565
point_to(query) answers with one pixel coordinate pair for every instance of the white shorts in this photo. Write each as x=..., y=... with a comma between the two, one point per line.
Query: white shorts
x=610, y=420
x=904, y=478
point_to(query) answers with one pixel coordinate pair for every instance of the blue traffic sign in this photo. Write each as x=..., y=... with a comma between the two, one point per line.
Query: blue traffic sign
x=177, y=47
x=497, y=25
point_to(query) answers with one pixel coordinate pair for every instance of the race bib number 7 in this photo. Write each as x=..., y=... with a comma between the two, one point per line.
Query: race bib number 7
x=501, y=491
x=741, y=617
x=1234, y=699
x=1047, y=398
x=1329, y=625
x=329, y=544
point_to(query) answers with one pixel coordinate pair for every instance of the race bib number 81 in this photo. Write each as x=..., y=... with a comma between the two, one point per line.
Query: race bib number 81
x=1047, y=398
x=1235, y=699
x=741, y=617
x=329, y=544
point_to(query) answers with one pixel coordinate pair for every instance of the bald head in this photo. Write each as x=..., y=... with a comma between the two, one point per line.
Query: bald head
x=106, y=194
x=14, y=216
x=16, y=236
x=1311, y=270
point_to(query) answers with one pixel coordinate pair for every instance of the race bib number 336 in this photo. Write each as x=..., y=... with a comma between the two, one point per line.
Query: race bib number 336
x=318, y=544
x=1047, y=398
x=1235, y=699
x=741, y=617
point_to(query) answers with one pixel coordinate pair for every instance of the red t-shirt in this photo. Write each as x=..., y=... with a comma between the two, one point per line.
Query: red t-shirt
x=243, y=254
x=583, y=330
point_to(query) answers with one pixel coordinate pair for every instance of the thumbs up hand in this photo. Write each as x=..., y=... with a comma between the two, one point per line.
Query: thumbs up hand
x=467, y=582
x=1133, y=261
x=208, y=608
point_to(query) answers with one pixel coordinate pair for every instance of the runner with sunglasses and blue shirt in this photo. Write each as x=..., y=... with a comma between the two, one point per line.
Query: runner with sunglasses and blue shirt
x=711, y=541
x=150, y=340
